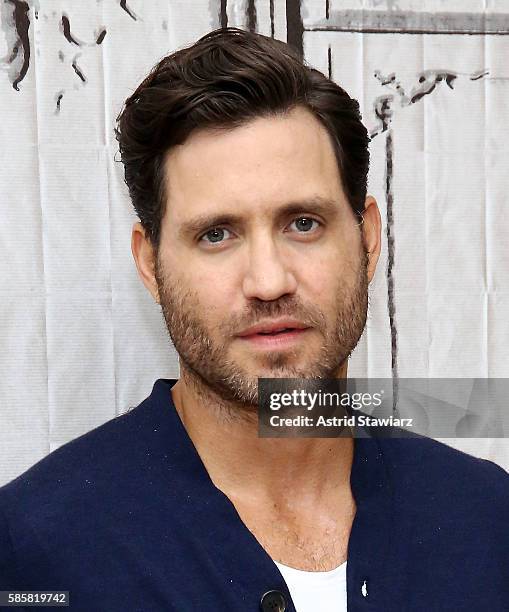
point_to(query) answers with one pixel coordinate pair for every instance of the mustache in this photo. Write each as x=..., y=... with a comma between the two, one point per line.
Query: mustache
x=279, y=310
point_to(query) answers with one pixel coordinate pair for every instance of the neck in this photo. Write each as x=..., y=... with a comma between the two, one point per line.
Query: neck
x=245, y=466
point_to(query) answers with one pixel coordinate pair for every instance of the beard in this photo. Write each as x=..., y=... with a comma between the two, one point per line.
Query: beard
x=205, y=356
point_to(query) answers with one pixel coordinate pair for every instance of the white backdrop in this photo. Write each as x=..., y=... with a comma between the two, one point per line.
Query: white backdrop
x=82, y=341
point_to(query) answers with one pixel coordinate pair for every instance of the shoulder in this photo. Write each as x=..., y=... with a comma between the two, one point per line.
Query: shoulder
x=34, y=506
x=444, y=478
x=86, y=485
x=93, y=459
x=422, y=453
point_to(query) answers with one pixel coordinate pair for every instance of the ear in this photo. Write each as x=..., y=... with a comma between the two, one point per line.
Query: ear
x=144, y=257
x=372, y=232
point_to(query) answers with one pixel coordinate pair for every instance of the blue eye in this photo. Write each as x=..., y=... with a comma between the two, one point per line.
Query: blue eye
x=216, y=233
x=306, y=225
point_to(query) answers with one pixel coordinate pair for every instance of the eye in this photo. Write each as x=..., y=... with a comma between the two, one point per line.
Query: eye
x=216, y=234
x=306, y=226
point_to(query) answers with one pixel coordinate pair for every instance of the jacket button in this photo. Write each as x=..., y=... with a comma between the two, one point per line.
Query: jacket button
x=273, y=601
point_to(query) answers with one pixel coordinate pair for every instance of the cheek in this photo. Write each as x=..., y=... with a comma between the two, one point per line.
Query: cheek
x=214, y=295
x=325, y=271
x=330, y=277
x=321, y=279
x=210, y=285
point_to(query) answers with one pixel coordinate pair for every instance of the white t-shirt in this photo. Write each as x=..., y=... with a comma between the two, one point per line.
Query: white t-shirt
x=312, y=591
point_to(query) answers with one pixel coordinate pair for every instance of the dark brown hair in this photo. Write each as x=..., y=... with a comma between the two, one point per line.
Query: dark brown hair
x=228, y=77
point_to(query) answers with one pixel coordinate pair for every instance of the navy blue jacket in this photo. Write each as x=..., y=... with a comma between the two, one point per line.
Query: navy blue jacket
x=126, y=518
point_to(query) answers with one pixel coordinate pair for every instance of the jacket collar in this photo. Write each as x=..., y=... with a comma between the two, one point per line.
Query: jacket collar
x=230, y=542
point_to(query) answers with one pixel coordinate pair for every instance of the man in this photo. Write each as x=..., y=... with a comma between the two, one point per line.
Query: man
x=248, y=172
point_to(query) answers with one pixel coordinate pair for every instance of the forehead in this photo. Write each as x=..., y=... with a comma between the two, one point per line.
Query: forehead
x=250, y=169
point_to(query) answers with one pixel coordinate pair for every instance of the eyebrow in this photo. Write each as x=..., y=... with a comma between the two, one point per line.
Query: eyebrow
x=316, y=204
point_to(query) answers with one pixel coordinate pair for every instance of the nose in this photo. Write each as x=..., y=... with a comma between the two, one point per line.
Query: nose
x=268, y=275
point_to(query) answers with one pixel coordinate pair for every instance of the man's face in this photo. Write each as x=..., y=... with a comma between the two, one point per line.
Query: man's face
x=218, y=278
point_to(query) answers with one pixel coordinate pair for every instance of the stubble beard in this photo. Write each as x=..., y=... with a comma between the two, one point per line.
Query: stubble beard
x=204, y=360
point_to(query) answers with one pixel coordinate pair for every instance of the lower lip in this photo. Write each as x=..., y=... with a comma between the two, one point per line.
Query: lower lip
x=276, y=341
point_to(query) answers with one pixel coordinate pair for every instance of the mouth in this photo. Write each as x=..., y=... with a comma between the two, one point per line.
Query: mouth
x=275, y=339
x=275, y=332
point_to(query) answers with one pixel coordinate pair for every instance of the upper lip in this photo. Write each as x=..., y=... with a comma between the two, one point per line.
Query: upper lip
x=269, y=326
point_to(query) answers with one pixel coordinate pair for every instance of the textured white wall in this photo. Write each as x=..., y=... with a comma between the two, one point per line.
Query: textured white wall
x=82, y=340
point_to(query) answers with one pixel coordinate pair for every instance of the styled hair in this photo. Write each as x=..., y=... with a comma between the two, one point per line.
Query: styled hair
x=225, y=79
